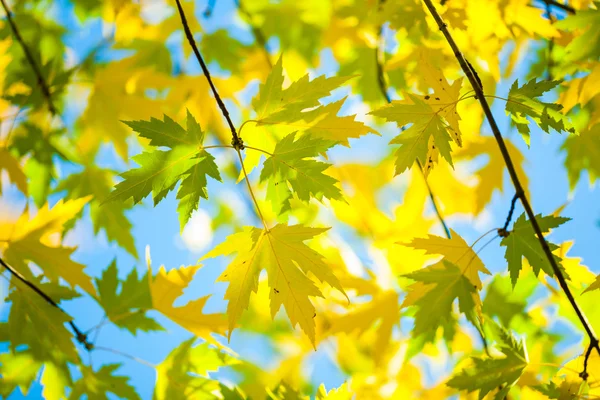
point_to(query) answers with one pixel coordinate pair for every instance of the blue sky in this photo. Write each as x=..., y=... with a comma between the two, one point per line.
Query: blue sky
x=158, y=227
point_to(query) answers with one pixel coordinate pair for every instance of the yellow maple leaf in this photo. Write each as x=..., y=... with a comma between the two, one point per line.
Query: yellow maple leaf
x=288, y=261
x=32, y=240
x=167, y=286
x=384, y=308
x=119, y=89
x=457, y=252
x=12, y=167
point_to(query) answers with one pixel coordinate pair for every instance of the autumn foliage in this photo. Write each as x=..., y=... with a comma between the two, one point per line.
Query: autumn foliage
x=338, y=148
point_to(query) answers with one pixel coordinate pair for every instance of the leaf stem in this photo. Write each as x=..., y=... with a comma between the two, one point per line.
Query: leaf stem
x=79, y=335
x=471, y=75
x=262, y=218
x=236, y=141
x=261, y=150
x=29, y=56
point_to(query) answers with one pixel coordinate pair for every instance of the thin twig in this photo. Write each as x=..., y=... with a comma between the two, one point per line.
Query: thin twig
x=262, y=219
x=503, y=232
x=79, y=335
x=512, y=172
x=36, y=70
x=236, y=140
x=584, y=374
x=564, y=7
x=259, y=37
x=379, y=61
x=122, y=354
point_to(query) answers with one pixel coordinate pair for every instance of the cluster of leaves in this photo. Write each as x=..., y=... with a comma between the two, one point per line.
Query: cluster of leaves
x=380, y=267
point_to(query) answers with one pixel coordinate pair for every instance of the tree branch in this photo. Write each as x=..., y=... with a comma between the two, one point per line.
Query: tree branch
x=379, y=61
x=564, y=7
x=503, y=232
x=36, y=70
x=236, y=141
x=79, y=335
x=470, y=74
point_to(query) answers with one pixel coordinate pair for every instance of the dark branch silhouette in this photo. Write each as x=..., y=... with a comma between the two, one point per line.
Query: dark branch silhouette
x=79, y=335
x=36, y=69
x=236, y=141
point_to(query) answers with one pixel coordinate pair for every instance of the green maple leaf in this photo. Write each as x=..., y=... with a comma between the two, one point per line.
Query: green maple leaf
x=437, y=287
x=524, y=102
x=110, y=217
x=46, y=338
x=184, y=374
x=275, y=105
x=584, y=46
x=583, y=153
x=193, y=186
x=504, y=301
x=42, y=150
x=126, y=308
x=160, y=171
x=231, y=52
x=95, y=385
x=488, y=374
x=427, y=121
x=523, y=242
x=18, y=369
x=290, y=169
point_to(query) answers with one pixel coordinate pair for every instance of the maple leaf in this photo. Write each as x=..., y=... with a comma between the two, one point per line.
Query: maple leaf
x=488, y=374
x=523, y=242
x=434, y=293
x=96, y=384
x=382, y=307
x=505, y=302
x=406, y=14
x=273, y=104
x=167, y=286
x=47, y=339
x=28, y=240
x=289, y=169
x=160, y=171
x=341, y=393
x=433, y=117
x=457, y=252
x=126, y=308
x=280, y=251
x=183, y=374
x=523, y=102
x=42, y=148
x=109, y=97
x=15, y=174
x=582, y=47
x=325, y=123
x=17, y=369
x=582, y=154
x=298, y=107
x=594, y=285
